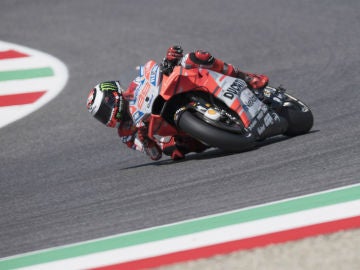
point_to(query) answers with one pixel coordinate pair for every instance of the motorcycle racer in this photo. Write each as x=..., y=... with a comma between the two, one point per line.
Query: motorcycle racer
x=108, y=102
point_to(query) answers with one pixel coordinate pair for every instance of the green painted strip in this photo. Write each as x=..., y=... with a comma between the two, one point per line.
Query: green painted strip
x=183, y=228
x=23, y=74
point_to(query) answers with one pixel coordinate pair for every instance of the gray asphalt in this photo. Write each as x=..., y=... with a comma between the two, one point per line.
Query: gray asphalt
x=65, y=178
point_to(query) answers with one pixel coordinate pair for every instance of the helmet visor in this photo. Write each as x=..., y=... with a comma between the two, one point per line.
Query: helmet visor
x=108, y=108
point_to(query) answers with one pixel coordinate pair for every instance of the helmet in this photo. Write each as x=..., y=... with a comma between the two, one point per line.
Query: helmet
x=105, y=103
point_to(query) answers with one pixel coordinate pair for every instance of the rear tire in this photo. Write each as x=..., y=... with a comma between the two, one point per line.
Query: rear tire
x=212, y=136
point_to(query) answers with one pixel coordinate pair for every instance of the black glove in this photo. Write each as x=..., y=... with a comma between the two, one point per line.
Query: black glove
x=166, y=67
x=172, y=58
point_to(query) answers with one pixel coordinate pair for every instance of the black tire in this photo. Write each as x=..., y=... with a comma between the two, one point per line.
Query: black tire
x=299, y=117
x=212, y=136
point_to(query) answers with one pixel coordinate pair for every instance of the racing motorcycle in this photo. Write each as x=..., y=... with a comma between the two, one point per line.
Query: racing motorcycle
x=218, y=110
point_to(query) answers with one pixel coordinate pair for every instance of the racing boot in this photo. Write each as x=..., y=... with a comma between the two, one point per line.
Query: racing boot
x=178, y=147
x=254, y=81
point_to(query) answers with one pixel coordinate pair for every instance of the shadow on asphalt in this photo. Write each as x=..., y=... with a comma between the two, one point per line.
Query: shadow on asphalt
x=215, y=153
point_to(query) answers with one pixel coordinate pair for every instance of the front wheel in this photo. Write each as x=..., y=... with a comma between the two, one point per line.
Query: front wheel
x=213, y=136
x=298, y=115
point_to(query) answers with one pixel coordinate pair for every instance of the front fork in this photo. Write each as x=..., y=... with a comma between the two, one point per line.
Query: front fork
x=274, y=98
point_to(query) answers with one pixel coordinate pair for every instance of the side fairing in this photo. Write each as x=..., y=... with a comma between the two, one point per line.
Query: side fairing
x=145, y=91
x=236, y=95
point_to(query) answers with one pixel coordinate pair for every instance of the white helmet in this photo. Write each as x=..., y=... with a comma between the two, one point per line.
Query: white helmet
x=105, y=103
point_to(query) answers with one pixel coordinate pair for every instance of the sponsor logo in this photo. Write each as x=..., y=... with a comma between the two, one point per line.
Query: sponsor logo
x=250, y=102
x=137, y=116
x=260, y=115
x=253, y=124
x=275, y=116
x=108, y=86
x=268, y=120
x=154, y=75
x=261, y=129
x=142, y=95
x=234, y=89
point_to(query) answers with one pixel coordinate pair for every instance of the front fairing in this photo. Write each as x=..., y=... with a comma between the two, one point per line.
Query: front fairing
x=146, y=89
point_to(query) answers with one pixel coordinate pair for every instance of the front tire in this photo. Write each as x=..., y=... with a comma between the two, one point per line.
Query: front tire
x=212, y=136
x=299, y=117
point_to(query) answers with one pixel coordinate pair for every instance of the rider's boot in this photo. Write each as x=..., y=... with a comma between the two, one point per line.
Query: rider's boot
x=170, y=148
x=254, y=81
x=178, y=147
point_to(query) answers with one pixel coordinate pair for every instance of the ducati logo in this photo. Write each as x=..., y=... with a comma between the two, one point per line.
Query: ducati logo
x=234, y=89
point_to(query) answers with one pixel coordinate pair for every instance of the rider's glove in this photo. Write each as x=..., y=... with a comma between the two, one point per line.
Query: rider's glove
x=172, y=58
x=256, y=81
x=174, y=54
x=151, y=148
x=166, y=67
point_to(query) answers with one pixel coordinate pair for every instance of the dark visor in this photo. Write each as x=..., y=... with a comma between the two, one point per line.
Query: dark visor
x=107, y=105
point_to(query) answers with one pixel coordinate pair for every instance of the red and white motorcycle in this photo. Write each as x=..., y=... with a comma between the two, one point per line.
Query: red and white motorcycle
x=215, y=109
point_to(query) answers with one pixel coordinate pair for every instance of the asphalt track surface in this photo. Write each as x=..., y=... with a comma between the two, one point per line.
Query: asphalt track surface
x=65, y=178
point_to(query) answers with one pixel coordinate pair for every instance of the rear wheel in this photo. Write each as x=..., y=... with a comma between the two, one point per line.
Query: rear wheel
x=212, y=136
